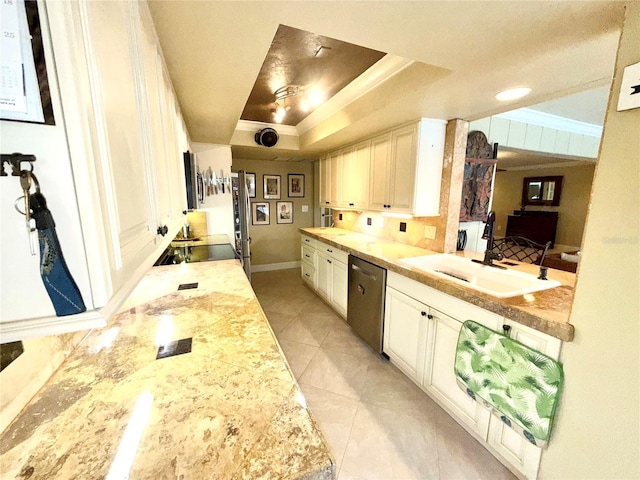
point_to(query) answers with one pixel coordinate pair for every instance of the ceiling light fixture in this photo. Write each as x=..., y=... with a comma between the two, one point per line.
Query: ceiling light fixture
x=512, y=94
x=281, y=96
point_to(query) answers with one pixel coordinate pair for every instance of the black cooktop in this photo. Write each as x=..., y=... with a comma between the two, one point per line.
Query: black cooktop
x=199, y=253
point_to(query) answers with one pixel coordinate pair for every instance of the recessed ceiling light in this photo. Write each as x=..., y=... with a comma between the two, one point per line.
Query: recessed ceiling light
x=512, y=94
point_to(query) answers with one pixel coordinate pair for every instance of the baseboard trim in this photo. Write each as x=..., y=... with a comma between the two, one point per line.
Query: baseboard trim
x=274, y=266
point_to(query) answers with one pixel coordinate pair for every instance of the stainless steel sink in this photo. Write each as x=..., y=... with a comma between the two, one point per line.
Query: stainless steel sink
x=483, y=278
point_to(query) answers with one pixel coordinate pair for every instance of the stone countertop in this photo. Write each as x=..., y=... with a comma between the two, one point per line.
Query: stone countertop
x=230, y=408
x=546, y=311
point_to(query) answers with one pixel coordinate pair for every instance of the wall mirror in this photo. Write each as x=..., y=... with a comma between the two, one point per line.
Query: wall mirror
x=541, y=191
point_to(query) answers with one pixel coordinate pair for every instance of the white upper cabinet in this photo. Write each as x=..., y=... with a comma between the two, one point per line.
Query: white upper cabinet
x=380, y=169
x=125, y=138
x=123, y=155
x=403, y=167
x=415, y=169
x=355, y=176
x=325, y=182
x=335, y=190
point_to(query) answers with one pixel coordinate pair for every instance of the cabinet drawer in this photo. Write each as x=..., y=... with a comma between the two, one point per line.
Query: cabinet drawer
x=333, y=252
x=308, y=241
x=309, y=274
x=309, y=255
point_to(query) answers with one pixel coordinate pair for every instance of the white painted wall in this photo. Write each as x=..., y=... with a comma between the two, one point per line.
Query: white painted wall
x=219, y=208
x=597, y=434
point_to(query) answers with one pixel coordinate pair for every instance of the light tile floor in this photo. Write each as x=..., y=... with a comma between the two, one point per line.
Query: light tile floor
x=378, y=423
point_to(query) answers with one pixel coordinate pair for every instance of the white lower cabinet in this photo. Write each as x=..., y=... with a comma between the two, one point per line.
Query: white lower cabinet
x=440, y=380
x=339, y=286
x=324, y=268
x=405, y=333
x=420, y=337
x=512, y=447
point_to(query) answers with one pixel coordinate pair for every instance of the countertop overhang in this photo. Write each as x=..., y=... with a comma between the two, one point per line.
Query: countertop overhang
x=546, y=311
x=230, y=408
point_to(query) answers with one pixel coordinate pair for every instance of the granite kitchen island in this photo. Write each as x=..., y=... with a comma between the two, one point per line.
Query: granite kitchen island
x=229, y=408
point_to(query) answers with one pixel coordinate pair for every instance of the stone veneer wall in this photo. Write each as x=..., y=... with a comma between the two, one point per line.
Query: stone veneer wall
x=450, y=196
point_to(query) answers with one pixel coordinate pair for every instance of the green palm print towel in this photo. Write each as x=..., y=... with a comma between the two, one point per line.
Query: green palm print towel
x=521, y=384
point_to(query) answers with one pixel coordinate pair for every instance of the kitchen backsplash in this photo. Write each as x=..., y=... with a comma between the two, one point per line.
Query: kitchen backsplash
x=388, y=228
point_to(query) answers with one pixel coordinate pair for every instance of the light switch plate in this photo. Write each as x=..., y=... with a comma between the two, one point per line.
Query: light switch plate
x=305, y=208
x=430, y=232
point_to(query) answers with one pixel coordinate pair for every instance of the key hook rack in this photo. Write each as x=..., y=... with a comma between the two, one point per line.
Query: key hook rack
x=16, y=160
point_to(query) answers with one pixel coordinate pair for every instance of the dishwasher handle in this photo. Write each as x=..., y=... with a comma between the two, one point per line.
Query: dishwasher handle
x=363, y=272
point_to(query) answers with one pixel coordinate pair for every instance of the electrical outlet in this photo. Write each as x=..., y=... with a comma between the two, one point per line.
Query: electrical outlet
x=339, y=216
x=380, y=222
x=430, y=232
x=403, y=226
x=305, y=208
x=368, y=220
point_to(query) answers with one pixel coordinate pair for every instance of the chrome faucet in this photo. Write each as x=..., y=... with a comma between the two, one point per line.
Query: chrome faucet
x=489, y=255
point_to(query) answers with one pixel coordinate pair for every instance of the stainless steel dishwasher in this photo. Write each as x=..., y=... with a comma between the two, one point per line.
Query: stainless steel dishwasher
x=365, y=307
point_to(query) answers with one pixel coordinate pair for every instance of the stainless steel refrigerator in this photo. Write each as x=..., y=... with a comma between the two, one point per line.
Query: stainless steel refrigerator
x=241, y=216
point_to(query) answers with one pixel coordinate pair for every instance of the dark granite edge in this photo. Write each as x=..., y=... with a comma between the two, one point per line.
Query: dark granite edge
x=562, y=330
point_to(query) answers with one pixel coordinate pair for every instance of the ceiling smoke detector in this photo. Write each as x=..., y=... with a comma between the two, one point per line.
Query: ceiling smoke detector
x=267, y=137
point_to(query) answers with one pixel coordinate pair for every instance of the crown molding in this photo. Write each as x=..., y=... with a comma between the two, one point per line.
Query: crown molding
x=542, y=119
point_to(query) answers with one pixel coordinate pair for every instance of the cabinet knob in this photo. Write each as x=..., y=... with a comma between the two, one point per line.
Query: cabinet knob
x=351, y=204
x=163, y=230
x=329, y=250
x=430, y=317
x=328, y=261
x=507, y=330
x=424, y=314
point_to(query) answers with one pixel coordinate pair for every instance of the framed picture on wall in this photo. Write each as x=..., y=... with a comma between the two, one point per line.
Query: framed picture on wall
x=271, y=187
x=251, y=184
x=296, y=184
x=284, y=212
x=260, y=213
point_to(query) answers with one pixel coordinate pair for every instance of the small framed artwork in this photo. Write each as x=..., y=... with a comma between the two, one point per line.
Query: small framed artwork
x=271, y=187
x=296, y=184
x=284, y=212
x=251, y=184
x=260, y=212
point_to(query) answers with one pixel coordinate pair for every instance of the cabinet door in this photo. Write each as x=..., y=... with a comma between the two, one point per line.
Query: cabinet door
x=404, y=149
x=160, y=138
x=406, y=326
x=380, y=171
x=323, y=275
x=335, y=159
x=339, y=286
x=359, y=174
x=349, y=182
x=124, y=166
x=325, y=182
x=440, y=380
x=513, y=447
